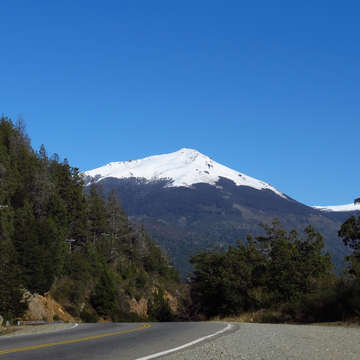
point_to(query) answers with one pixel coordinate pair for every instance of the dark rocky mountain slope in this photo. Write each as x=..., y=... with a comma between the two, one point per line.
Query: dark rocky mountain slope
x=186, y=219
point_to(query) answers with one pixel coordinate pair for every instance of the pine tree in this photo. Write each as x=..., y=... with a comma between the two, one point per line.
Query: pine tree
x=12, y=302
x=104, y=296
x=98, y=224
x=350, y=233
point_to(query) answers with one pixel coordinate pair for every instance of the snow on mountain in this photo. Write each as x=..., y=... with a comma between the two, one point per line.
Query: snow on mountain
x=337, y=208
x=184, y=167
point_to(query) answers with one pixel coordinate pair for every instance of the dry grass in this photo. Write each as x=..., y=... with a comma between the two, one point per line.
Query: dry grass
x=259, y=316
x=9, y=330
x=353, y=323
x=271, y=316
x=245, y=317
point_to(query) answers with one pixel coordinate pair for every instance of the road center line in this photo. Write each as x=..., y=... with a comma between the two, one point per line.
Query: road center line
x=71, y=341
x=166, y=352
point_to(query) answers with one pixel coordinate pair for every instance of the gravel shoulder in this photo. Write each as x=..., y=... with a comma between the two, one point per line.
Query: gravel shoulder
x=36, y=329
x=275, y=341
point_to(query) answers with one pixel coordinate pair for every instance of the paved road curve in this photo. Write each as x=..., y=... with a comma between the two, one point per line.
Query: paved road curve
x=105, y=341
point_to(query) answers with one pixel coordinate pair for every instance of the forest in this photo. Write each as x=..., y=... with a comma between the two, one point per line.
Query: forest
x=280, y=277
x=79, y=247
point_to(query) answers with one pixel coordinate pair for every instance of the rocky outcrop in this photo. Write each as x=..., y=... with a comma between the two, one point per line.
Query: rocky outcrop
x=139, y=307
x=45, y=308
x=173, y=302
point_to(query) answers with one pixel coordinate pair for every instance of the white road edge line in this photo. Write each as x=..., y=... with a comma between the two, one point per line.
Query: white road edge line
x=76, y=324
x=166, y=352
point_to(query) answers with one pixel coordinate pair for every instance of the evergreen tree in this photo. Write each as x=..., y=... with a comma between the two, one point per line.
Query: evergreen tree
x=98, y=223
x=350, y=233
x=117, y=225
x=12, y=301
x=350, y=290
x=104, y=297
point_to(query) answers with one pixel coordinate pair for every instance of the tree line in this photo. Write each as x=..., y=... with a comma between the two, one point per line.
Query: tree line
x=280, y=276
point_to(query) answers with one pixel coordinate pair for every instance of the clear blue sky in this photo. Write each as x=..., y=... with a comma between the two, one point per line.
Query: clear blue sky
x=269, y=88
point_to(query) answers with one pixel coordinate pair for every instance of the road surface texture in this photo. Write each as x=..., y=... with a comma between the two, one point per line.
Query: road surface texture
x=278, y=342
x=111, y=341
x=140, y=341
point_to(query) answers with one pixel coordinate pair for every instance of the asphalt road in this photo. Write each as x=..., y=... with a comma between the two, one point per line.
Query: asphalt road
x=106, y=341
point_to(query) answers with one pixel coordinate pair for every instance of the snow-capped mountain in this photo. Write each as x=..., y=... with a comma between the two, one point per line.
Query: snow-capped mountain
x=339, y=208
x=184, y=167
x=189, y=202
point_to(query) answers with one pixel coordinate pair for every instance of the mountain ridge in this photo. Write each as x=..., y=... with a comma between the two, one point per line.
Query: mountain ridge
x=184, y=167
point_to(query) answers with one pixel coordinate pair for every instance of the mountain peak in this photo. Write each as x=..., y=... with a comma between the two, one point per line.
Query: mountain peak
x=188, y=151
x=184, y=167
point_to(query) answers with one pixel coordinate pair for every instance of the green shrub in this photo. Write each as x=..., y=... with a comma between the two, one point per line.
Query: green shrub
x=89, y=317
x=159, y=308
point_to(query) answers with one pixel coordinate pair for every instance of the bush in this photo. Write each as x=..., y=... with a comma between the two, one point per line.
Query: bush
x=350, y=298
x=104, y=297
x=89, y=317
x=121, y=316
x=270, y=317
x=159, y=308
